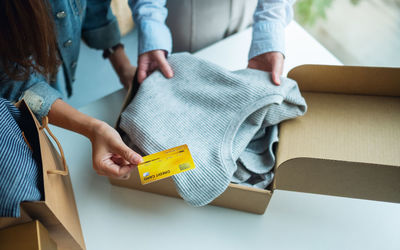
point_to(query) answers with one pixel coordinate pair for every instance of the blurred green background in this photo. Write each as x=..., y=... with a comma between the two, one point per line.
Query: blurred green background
x=358, y=32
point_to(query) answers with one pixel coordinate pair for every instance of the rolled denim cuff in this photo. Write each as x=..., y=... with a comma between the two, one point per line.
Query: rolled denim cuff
x=104, y=37
x=267, y=37
x=154, y=35
x=39, y=99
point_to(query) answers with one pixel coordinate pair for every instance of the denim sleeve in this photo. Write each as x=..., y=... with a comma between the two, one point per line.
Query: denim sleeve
x=36, y=92
x=270, y=20
x=100, y=28
x=40, y=97
x=150, y=16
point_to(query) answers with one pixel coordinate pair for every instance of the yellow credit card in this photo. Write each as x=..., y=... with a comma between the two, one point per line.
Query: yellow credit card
x=165, y=164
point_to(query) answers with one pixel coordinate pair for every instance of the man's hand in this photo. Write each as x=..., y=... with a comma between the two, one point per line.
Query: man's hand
x=111, y=157
x=123, y=67
x=152, y=60
x=271, y=62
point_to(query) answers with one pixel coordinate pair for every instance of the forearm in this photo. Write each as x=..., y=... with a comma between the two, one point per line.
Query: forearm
x=111, y=157
x=65, y=116
x=122, y=66
x=119, y=60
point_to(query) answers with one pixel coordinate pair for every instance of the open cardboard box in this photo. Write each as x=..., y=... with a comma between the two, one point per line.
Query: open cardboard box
x=347, y=144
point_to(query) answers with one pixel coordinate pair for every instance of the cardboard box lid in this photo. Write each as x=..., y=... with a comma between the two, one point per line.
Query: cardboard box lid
x=348, y=143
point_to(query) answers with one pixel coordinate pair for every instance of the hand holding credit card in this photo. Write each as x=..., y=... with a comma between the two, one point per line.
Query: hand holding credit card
x=165, y=164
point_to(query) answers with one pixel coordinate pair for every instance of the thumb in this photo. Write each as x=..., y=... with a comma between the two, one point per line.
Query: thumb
x=164, y=65
x=277, y=68
x=275, y=78
x=129, y=155
x=142, y=72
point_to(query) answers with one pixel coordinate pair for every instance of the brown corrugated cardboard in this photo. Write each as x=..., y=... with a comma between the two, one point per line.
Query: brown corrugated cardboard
x=29, y=236
x=347, y=144
x=238, y=197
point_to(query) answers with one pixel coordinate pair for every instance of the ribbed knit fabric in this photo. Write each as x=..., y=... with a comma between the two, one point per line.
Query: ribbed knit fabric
x=214, y=111
x=256, y=162
x=20, y=175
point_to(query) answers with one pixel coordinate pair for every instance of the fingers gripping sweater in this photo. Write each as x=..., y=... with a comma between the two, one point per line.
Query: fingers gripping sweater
x=214, y=111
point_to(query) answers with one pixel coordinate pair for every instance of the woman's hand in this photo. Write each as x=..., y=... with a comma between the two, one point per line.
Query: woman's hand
x=126, y=75
x=111, y=157
x=123, y=67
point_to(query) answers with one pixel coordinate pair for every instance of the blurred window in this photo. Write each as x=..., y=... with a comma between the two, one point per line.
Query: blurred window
x=357, y=32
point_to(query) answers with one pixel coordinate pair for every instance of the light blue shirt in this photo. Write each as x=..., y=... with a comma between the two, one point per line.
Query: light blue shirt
x=150, y=16
x=270, y=20
x=93, y=21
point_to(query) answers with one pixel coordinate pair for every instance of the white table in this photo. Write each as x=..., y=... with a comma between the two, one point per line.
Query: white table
x=118, y=218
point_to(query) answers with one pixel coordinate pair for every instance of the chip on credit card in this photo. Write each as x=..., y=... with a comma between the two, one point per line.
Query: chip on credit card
x=164, y=164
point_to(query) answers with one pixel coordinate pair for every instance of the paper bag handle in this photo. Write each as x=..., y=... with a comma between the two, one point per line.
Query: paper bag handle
x=45, y=122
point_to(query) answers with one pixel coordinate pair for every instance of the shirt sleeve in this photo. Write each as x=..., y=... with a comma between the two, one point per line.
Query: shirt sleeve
x=100, y=28
x=150, y=16
x=37, y=93
x=270, y=19
x=39, y=98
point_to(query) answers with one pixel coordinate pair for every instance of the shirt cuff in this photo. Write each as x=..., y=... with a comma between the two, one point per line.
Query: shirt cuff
x=154, y=36
x=104, y=37
x=267, y=37
x=39, y=99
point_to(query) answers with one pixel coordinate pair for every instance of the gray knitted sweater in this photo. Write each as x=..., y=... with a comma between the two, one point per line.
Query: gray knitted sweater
x=214, y=111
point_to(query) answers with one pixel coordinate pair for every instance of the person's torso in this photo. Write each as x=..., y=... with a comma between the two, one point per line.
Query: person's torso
x=68, y=16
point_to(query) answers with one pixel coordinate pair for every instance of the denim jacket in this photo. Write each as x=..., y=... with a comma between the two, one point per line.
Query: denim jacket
x=91, y=20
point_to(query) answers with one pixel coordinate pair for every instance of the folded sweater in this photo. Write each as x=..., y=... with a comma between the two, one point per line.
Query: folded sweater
x=255, y=164
x=214, y=111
